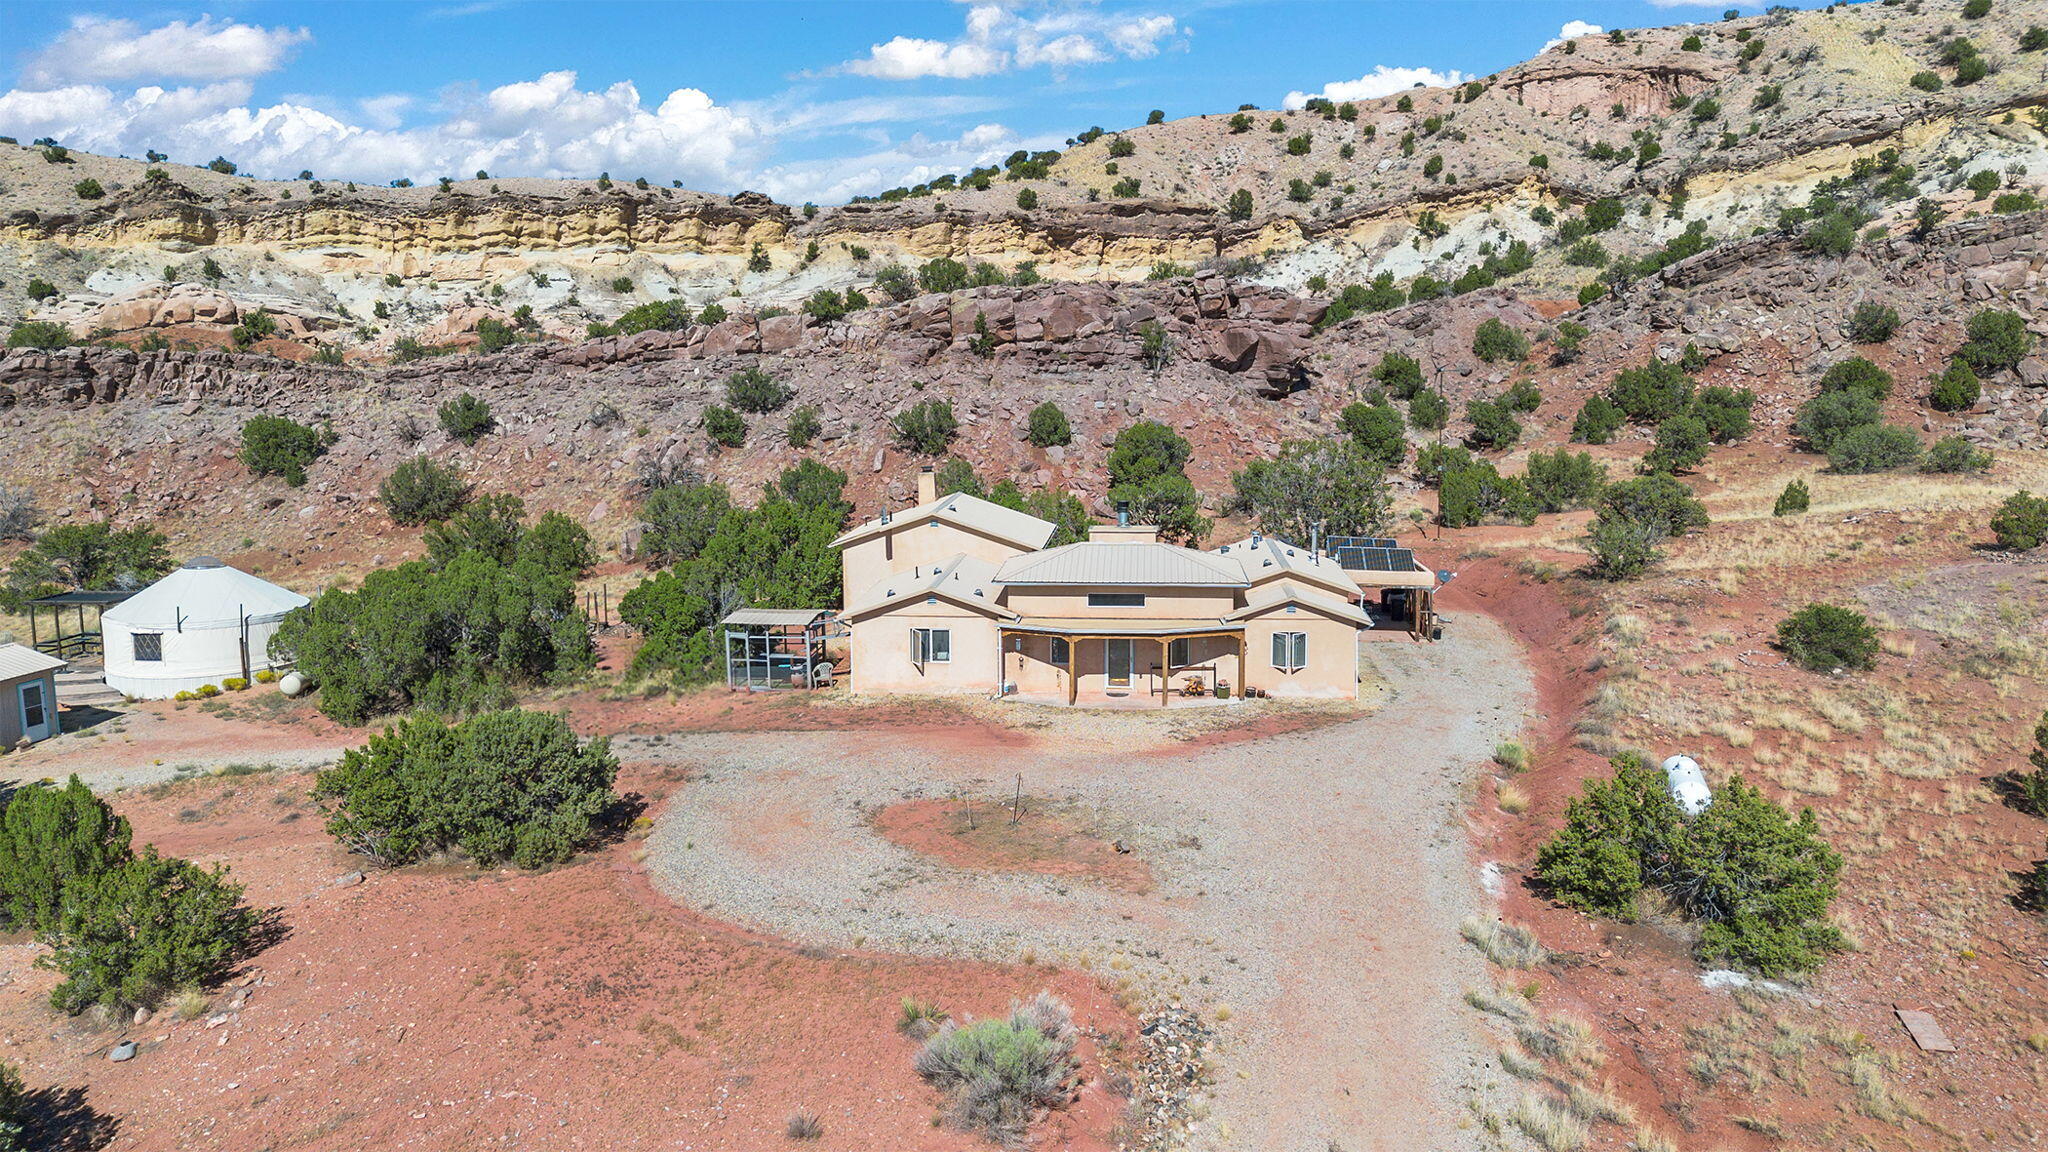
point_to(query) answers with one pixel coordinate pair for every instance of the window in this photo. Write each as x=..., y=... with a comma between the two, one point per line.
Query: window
x=1116, y=599
x=1290, y=651
x=1061, y=651
x=931, y=645
x=1177, y=653
x=149, y=646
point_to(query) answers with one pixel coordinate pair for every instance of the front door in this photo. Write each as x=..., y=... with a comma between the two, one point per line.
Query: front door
x=1118, y=660
x=35, y=711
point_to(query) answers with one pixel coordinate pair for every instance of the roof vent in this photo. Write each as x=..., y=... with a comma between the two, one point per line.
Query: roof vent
x=1257, y=539
x=204, y=562
x=1123, y=513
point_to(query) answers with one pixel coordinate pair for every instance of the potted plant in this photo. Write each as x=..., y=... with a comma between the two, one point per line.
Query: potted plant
x=1223, y=689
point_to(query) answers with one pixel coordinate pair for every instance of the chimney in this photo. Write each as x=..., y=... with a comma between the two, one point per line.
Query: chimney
x=927, y=485
x=1123, y=513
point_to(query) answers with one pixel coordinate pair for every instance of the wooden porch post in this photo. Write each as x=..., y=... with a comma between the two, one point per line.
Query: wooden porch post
x=1243, y=674
x=1165, y=668
x=1073, y=681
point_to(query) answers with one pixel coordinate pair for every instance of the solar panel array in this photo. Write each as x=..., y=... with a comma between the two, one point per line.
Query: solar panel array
x=1363, y=542
x=1360, y=559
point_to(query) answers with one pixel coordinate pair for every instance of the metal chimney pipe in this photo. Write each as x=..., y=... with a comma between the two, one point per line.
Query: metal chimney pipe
x=1123, y=514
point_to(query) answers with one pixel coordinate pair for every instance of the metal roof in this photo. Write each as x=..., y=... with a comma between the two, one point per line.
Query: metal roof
x=104, y=598
x=20, y=660
x=1101, y=626
x=774, y=616
x=964, y=579
x=1091, y=563
x=963, y=510
x=1264, y=557
x=1270, y=596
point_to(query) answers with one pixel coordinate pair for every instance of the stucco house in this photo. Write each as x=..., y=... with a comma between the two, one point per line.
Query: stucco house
x=960, y=595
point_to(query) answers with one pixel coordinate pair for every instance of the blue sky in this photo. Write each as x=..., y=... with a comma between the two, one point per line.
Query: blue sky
x=801, y=100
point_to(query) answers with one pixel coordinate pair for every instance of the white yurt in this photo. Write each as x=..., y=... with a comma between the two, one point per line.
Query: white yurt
x=199, y=625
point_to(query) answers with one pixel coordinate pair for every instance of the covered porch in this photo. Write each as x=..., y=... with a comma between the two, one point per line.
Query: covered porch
x=1122, y=663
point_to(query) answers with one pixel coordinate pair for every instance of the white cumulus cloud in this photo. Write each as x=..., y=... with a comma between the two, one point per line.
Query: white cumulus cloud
x=1572, y=30
x=997, y=39
x=100, y=50
x=1381, y=81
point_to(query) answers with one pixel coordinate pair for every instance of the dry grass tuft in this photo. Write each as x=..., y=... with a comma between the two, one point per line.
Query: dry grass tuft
x=1512, y=799
x=805, y=1126
x=1550, y=1124
x=190, y=1004
x=1508, y=945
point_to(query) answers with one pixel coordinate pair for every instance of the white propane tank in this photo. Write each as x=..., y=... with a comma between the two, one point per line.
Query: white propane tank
x=1688, y=785
x=291, y=684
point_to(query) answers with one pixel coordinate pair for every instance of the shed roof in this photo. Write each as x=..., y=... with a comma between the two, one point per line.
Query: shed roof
x=1090, y=562
x=19, y=660
x=90, y=597
x=205, y=594
x=774, y=616
x=958, y=508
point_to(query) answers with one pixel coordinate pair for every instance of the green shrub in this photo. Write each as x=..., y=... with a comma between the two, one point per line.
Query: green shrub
x=502, y=786
x=1757, y=879
x=1956, y=389
x=1996, y=340
x=1871, y=323
x=1561, y=481
x=88, y=189
x=1495, y=340
x=84, y=554
x=752, y=390
x=1653, y=393
x=662, y=315
x=1147, y=468
x=419, y=491
x=804, y=426
x=943, y=275
x=1429, y=411
x=1681, y=444
x=997, y=1074
x=51, y=838
x=1725, y=412
x=1793, y=500
x=46, y=335
x=2031, y=788
x=1522, y=396
x=1832, y=235
x=132, y=933
x=1976, y=9
x=1049, y=427
x=1824, y=420
x=1857, y=375
x=1824, y=638
x=926, y=427
x=1587, y=253
x=1955, y=454
x=1377, y=429
x=725, y=427
x=2021, y=522
x=466, y=418
x=1494, y=427
x=1598, y=420
x=1874, y=448
x=1027, y=199
x=276, y=446
x=1474, y=492
x=1400, y=375
x=492, y=527
x=1657, y=500
x=1926, y=81
x=494, y=335
x=40, y=289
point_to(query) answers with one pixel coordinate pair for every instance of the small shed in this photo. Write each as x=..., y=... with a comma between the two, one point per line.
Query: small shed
x=776, y=648
x=28, y=695
x=197, y=626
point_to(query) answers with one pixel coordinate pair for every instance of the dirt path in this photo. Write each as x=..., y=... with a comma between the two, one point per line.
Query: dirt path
x=1311, y=883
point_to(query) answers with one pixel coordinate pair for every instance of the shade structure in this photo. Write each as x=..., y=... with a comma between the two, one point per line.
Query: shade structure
x=197, y=626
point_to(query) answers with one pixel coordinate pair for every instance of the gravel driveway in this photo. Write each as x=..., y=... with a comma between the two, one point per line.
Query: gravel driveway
x=1310, y=883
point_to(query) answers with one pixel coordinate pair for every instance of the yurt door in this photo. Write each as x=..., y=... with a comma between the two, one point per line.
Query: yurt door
x=35, y=711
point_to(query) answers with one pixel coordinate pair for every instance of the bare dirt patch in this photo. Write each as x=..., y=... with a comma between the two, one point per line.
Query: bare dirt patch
x=1047, y=839
x=444, y=1007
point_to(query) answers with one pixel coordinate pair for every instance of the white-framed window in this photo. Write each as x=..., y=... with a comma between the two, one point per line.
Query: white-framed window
x=1178, y=652
x=931, y=645
x=1061, y=651
x=149, y=646
x=1116, y=599
x=1290, y=651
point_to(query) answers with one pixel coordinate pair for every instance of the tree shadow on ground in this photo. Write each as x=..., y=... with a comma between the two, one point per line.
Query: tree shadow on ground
x=60, y=1120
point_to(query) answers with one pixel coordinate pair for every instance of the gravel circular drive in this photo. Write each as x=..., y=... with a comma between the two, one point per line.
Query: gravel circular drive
x=1310, y=883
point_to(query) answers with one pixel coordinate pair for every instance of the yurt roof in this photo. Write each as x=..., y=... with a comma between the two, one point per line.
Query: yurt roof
x=205, y=593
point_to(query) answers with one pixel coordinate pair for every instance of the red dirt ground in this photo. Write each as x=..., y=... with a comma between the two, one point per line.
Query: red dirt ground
x=979, y=835
x=444, y=1008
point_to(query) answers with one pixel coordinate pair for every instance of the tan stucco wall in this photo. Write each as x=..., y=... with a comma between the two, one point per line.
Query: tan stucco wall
x=1332, y=670
x=881, y=655
x=1030, y=666
x=1071, y=601
x=914, y=544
